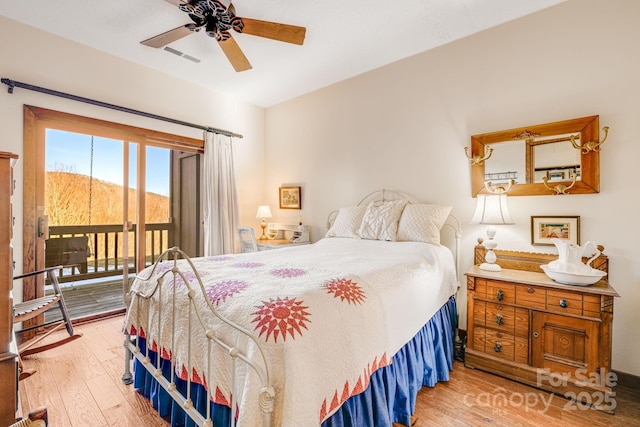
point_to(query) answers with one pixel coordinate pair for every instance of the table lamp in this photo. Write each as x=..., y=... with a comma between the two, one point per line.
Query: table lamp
x=263, y=213
x=492, y=209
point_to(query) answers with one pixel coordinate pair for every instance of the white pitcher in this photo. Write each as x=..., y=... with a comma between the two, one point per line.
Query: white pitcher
x=570, y=257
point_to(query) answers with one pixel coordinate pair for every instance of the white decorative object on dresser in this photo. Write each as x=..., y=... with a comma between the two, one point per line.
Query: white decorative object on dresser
x=524, y=326
x=8, y=348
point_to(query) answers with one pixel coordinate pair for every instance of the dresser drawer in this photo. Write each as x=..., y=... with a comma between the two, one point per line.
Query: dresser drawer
x=564, y=302
x=502, y=345
x=500, y=291
x=500, y=317
x=531, y=296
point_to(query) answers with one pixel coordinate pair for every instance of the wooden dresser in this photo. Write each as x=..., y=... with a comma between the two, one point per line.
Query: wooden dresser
x=8, y=349
x=524, y=326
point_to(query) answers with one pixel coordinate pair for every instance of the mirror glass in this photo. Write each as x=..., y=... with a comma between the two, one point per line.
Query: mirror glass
x=541, y=159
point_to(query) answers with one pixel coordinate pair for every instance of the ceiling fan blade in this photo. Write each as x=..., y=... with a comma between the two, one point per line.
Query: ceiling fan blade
x=235, y=55
x=167, y=37
x=273, y=30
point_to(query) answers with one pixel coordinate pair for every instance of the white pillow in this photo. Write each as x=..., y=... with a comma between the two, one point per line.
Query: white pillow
x=347, y=222
x=380, y=221
x=422, y=223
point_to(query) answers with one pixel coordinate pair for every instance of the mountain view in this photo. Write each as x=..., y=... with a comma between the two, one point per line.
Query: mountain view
x=75, y=199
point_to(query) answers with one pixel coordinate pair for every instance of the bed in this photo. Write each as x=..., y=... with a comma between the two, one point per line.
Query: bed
x=344, y=331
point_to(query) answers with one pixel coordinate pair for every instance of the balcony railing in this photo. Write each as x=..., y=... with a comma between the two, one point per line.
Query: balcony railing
x=106, y=248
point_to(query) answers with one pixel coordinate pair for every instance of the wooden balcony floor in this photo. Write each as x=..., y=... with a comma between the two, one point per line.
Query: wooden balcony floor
x=90, y=299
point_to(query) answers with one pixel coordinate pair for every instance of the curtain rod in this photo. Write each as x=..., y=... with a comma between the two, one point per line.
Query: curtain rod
x=12, y=83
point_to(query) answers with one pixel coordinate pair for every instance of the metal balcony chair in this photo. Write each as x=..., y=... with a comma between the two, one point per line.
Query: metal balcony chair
x=247, y=239
x=32, y=308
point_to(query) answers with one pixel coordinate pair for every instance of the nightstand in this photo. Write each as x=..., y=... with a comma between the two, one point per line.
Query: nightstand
x=524, y=326
x=265, y=245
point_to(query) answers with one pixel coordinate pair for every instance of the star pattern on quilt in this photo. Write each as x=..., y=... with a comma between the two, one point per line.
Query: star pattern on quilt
x=219, y=291
x=281, y=317
x=346, y=290
x=287, y=272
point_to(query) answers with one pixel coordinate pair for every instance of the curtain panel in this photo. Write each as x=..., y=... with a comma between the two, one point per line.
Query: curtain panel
x=220, y=198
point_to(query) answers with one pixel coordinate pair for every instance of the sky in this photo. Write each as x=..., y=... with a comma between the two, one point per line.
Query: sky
x=71, y=152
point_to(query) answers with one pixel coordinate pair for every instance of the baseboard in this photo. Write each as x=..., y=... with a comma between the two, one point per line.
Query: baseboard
x=629, y=381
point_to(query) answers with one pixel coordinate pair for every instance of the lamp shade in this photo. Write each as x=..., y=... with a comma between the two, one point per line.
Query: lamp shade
x=492, y=209
x=263, y=212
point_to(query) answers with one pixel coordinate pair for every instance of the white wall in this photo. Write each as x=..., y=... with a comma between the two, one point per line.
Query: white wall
x=34, y=57
x=404, y=127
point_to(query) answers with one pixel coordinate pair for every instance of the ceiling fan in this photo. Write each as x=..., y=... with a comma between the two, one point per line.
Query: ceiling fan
x=217, y=20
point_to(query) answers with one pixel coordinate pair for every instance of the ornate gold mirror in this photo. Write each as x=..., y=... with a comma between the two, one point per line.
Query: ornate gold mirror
x=553, y=158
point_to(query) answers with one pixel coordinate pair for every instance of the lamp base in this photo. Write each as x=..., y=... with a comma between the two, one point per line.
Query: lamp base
x=264, y=235
x=489, y=267
x=490, y=257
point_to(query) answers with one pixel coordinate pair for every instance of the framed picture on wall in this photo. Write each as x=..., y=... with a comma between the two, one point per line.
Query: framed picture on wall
x=545, y=228
x=290, y=198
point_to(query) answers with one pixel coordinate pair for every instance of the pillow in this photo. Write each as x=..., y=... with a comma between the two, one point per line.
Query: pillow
x=380, y=220
x=422, y=223
x=347, y=222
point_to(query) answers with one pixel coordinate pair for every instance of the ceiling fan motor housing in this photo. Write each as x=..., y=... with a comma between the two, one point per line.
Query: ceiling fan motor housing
x=214, y=16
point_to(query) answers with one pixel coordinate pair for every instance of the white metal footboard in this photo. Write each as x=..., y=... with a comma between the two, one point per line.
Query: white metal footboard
x=195, y=320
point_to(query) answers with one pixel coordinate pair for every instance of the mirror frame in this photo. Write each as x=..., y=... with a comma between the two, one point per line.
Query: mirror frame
x=588, y=127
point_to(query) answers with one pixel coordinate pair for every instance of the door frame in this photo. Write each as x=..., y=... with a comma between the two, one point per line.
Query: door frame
x=36, y=121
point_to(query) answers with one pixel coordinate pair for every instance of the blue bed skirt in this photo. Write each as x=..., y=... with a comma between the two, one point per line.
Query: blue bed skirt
x=390, y=397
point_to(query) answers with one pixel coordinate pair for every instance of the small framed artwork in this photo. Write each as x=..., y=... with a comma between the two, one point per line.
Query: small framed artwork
x=545, y=228
x=290, y=198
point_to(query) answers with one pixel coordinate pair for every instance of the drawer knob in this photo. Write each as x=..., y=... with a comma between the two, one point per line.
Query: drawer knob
x=530, y=290
x=536, y=335
x=499, y=319
x=500, y=295
x=497, y=347
x=564, y=303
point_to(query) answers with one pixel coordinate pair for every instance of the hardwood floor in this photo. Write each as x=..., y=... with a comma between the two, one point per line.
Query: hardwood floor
x=80, y=385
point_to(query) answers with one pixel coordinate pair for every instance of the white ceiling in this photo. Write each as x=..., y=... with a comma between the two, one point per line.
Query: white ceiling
x=344, y=38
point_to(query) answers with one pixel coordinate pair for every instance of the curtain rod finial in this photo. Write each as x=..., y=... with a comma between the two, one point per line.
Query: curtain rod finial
x=9, y=84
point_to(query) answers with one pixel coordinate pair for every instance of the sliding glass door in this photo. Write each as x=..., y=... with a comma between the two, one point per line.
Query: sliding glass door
x=97, y=201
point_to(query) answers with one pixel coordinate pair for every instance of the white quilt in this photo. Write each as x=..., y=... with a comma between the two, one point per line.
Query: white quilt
x=327, y=314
